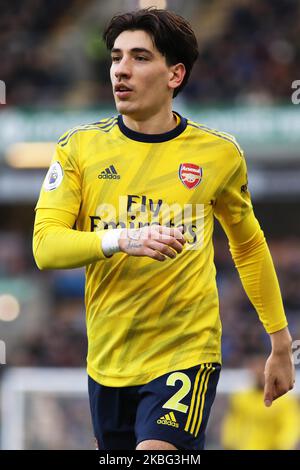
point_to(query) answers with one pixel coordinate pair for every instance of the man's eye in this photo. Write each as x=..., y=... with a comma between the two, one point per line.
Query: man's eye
x=115, y=59
x=140, y=58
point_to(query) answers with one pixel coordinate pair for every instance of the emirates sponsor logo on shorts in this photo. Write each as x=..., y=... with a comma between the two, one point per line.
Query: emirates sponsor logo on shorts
x=169, y=420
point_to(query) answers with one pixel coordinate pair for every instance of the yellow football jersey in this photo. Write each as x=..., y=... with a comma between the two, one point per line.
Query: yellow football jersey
x=144, y=317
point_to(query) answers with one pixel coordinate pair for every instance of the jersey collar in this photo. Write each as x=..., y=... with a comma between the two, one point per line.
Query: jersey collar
x=152, y=138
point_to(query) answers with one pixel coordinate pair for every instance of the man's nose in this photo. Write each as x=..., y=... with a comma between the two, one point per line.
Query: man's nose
x=122, y=69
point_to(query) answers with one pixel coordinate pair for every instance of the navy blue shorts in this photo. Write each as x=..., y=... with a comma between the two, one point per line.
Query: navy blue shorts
x=173, y=408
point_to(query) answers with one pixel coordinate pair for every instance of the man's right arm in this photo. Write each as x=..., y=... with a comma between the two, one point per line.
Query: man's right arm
x=57, y=246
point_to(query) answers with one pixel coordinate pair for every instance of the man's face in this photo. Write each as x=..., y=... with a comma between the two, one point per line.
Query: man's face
x=139, y=75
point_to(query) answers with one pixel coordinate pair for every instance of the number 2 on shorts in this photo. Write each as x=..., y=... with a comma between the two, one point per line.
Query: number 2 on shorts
x=174, y=402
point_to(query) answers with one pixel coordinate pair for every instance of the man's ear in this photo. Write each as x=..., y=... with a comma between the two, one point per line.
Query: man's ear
x=176, y=75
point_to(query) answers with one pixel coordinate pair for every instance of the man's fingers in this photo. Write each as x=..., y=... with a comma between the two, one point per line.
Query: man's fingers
x=165, y=236
x=154, y=254
x=177, y=233
x=281, y=390
x=156, y=242
x=268, y=402
x=181, y=230
x=268, y=393
x=173, y=242
x=170, y=241
x=162, y=248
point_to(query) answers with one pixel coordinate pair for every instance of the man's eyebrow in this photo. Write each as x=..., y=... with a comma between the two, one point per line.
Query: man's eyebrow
x=134, y=49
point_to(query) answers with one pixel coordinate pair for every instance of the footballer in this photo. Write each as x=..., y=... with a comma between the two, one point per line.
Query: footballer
x=133, y=198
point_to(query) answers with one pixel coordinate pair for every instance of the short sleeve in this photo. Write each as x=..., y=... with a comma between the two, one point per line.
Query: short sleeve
x=61, y=188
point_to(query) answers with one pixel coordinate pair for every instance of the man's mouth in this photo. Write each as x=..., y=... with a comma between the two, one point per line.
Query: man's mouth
x=122, y=91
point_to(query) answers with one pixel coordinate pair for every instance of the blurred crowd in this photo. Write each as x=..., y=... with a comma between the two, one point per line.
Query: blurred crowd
x=52, y=324
x=28, y=67
x=254, y=59
x=50, y=56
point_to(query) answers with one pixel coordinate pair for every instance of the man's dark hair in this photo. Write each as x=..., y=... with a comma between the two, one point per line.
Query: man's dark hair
x=171, y=34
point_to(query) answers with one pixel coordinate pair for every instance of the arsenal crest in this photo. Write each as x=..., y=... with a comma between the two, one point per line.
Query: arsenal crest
x=190, y=174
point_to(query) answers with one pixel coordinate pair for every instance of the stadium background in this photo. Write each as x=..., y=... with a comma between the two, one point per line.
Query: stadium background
x=55, y=69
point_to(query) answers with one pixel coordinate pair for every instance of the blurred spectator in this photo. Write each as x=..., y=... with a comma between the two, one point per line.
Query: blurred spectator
x=249, y=425
x=60, y=343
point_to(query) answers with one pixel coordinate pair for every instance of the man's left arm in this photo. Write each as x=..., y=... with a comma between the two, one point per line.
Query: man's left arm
x=252, y=258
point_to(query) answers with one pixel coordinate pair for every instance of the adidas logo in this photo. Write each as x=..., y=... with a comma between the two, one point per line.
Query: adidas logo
x=109, y=173
x=169, y=419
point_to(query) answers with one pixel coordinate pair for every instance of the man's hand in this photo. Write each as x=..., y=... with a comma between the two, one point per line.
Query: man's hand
x=156, y=242
x=279, y=370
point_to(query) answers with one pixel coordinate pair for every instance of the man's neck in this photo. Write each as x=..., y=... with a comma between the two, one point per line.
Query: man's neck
x=156, y=124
